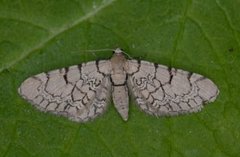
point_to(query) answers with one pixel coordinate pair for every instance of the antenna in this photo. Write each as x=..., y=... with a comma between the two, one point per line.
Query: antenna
x=127, y=55
x=97, y=50
x=101, y=50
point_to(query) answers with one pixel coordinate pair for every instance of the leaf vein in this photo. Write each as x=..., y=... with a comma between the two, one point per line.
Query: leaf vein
x=180, y=32
x=219, y=60
x=228, y=20
x=63, y=29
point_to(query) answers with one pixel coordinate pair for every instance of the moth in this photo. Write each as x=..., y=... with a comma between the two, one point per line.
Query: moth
x=82, y=92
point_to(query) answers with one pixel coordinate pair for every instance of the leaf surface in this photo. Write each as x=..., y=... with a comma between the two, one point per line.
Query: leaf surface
x=198, y=36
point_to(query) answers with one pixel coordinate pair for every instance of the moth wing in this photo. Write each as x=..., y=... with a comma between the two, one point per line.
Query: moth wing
x=161, y=91
x=79, y=92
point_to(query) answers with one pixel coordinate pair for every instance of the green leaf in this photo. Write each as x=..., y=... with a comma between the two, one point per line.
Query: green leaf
x=198, y=36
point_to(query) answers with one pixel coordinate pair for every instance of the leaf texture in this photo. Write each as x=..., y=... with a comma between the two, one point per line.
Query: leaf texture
x=197, y=36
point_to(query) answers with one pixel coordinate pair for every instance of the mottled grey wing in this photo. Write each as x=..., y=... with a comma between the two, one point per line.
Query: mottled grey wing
x=79, y=92
x=160, y=90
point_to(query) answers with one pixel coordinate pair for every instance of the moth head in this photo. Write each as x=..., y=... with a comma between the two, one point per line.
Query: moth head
x=118, y=51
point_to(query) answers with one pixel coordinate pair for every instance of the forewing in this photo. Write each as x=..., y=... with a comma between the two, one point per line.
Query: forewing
x=79, y=92
x=160, y=90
